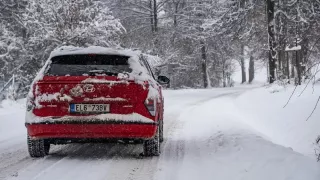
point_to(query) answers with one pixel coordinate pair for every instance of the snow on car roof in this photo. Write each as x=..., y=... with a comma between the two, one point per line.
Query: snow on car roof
x=71, y=50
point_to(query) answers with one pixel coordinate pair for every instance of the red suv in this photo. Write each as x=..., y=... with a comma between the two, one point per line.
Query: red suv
x=95, y=94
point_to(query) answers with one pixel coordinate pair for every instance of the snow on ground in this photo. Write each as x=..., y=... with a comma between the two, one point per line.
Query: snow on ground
x=208, y=135
x=11, y=119
x=264, y=110
x=216, y=144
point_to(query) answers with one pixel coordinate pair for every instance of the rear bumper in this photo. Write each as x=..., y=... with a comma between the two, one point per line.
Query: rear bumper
x=92, y=130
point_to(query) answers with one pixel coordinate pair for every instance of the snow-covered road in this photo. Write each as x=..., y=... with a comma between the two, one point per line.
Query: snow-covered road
x=205, y=138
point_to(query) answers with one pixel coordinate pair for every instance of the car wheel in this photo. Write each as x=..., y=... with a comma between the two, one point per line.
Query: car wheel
x=38, y=147
x=161, y=137
x=151, y=147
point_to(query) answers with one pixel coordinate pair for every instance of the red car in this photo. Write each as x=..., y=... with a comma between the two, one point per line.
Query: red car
x=95, y=94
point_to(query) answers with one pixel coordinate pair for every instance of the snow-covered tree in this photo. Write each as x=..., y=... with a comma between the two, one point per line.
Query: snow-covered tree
x=51, y=23
x=30, y=30
x=296, y=25
x=11, y=47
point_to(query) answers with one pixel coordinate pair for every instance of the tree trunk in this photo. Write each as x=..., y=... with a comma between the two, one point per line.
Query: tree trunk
x=151, y=16
x=242, y=62
x=155, y=15
x=281, y=39
x=243, y=66
x=224, y=78
x=175, y=21
x=204, y=64
x=298, y=66
x=251, y=69
x=282, y=61
x=298, y=59
x=304, y=57
x=293, y=64
x=272, y=44
x=288, y=66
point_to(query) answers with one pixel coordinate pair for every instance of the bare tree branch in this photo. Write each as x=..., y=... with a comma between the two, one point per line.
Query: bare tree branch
x=315, y=107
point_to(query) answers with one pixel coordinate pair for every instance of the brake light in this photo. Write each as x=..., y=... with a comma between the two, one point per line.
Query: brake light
x=151, y=106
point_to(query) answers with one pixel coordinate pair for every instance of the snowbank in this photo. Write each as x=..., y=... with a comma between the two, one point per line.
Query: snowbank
x=211, y=141
x=263, y=109
x=12, y=119
x=7, y=106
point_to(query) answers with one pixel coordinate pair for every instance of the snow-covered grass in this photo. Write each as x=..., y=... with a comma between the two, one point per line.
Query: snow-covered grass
x=263, y=109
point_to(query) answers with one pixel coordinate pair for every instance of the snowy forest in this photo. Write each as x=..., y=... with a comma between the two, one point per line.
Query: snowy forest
x=160, y=89
x=201, y=42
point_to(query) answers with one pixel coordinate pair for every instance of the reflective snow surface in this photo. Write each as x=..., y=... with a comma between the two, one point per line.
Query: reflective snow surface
x=205, y=138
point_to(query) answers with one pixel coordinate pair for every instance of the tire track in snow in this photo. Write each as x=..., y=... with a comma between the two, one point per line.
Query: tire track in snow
x=119, y=161
x=147, y=167
x=171, y=148
x=134, y=167
x=28, y=163
x=175, y=146
x=50, y=167
x=83, y=156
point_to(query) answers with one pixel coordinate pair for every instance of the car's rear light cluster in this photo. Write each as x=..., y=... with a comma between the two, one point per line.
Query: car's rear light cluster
x=151, y=106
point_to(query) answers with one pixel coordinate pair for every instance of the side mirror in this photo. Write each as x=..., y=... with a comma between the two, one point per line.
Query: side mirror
x=163, y=80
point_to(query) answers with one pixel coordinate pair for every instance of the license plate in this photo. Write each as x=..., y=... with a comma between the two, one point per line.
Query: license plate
x=89, y=108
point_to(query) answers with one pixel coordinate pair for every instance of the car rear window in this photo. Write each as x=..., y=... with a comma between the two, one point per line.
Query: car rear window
x=79, y=65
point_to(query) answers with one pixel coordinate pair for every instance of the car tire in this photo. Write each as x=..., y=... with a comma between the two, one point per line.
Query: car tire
x=151, y=147
x=38, y=147
x=161, y=137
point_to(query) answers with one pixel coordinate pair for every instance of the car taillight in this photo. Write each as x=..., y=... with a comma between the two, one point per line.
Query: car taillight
x=151, y=106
